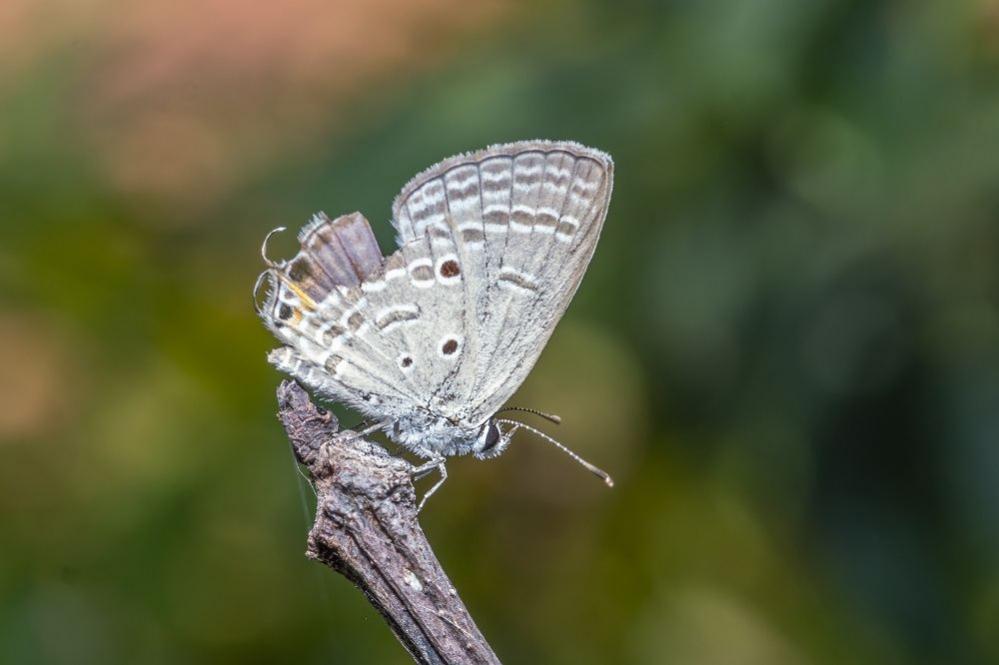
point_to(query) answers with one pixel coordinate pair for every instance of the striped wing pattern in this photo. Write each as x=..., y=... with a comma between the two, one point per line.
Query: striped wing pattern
x=492, y=246
x=524, y=218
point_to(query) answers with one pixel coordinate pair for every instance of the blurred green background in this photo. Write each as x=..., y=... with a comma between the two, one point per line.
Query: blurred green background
x=786, y=349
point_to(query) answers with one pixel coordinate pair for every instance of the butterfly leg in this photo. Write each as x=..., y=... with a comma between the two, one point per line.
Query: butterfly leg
x=436, y=463
x=425, y=469
x=370, y=429
x=352, y=435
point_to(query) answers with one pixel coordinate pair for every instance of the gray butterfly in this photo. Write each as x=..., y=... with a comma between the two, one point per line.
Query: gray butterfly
x=430, y=341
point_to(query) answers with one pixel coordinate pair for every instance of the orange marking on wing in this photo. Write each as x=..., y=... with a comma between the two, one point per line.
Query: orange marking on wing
x=302, y=295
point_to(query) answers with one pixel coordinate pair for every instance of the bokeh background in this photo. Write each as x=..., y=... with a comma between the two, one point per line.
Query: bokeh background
x=785, y=349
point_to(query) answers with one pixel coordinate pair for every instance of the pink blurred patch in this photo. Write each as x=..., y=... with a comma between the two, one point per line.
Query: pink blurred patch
x=38, y=377
x=187, y=98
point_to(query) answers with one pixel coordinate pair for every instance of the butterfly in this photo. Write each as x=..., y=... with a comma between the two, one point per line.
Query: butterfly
x=429, y=342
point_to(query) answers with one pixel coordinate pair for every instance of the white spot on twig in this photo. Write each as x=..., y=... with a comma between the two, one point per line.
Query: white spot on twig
x=412, y=580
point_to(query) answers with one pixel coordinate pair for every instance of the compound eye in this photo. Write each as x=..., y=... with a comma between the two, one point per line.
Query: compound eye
x=492, y=437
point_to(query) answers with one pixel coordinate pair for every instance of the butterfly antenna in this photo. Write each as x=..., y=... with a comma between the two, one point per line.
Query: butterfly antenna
x=595, y=470
x=550, y=417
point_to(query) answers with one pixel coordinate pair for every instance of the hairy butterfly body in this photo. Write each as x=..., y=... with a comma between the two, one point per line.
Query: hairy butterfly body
x=430, y=341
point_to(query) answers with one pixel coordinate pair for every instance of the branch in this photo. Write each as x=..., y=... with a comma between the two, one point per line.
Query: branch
x=366, y=530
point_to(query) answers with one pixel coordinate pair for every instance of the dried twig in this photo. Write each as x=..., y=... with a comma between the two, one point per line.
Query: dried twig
x=366, y=529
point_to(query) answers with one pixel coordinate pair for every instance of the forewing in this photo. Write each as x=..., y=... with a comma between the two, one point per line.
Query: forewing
x=522, y=221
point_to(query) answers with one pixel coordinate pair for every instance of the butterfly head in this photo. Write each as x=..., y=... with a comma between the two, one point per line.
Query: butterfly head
x=491, y=441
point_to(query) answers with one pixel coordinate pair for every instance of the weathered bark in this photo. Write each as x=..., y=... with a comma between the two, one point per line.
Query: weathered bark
x=366, y=529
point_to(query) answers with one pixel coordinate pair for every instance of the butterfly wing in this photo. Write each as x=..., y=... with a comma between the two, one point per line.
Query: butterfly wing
x=317, y=306
x=514, y=226
x=381, y=335
x=492, y=246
